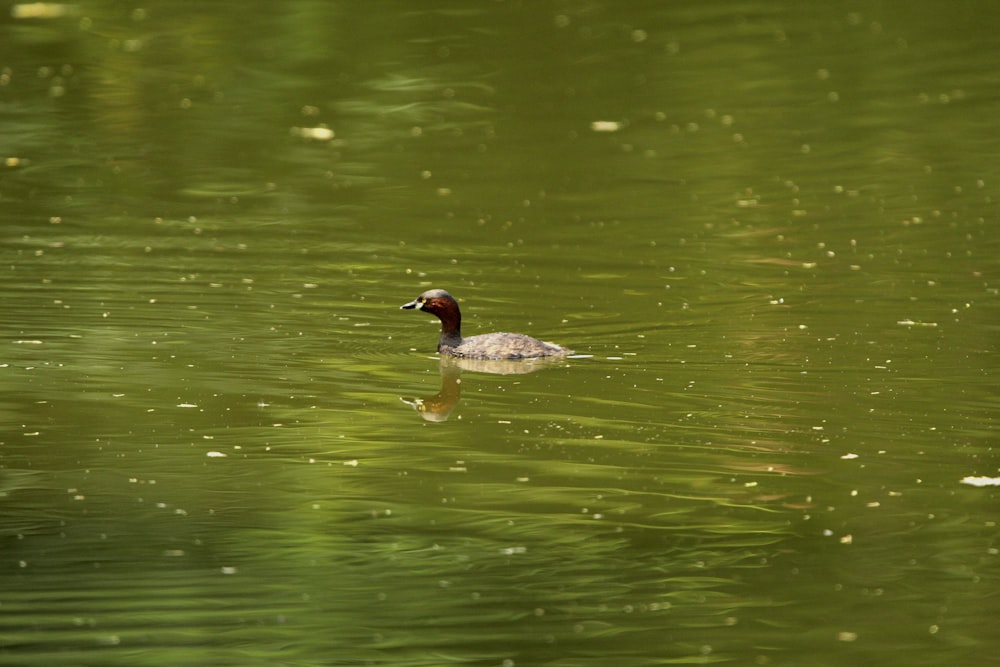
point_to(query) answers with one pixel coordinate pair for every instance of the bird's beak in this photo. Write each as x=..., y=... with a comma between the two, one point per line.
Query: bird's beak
x=411, y=305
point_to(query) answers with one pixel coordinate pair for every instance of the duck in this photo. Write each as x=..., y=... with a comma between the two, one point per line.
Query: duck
x=500, y=345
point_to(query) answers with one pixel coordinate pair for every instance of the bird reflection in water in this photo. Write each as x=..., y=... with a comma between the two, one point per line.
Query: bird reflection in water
x=438, y=408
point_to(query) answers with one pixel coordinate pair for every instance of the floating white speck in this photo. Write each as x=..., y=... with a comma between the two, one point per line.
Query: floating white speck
x=849, y=456
x=605, y=126
x=215, y=455
x=353, y=463
x=187, y=405
x=981, y=481
x=320, y=133
x=42, y=10
x=228, y=570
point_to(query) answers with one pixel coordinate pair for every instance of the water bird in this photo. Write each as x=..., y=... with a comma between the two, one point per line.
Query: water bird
x=499, y=345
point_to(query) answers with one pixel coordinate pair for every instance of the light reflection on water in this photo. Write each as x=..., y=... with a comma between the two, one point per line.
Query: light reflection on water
x=778, y=275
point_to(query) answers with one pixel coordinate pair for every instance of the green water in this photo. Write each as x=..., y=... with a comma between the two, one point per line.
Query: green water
x=769, y=230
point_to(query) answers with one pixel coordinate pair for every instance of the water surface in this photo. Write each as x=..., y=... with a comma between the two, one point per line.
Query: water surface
x=768, y=230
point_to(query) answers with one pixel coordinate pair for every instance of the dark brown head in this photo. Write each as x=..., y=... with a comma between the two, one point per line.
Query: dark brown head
x=439, y=303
